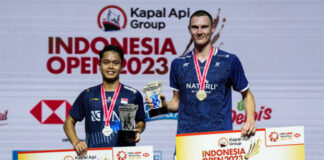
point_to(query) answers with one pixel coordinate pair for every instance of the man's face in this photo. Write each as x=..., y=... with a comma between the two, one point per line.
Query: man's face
x=110, y=66
x=201, y=30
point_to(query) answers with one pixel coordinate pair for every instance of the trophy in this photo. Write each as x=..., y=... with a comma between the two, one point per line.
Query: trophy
x=153, y=91
x=127, y=115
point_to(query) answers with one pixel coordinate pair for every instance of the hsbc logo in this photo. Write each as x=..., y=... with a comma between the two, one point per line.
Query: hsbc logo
x=51, y=111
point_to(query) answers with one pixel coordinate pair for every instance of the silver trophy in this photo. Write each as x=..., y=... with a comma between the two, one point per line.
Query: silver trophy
x=127, y=115
x=153, y=91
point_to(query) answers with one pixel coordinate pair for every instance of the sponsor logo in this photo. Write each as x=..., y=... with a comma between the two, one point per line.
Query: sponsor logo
x=274, y=136
x=223, y=142
x=121, y=155
x=155, y=18
x=3, y=117
x=95, y=115
x=185, y=64
x=297, y=135
x=286, y=136
x=88, y=157
x=239, y=117
x=235, y=141
x=68, y=157
x=51, y=111
x=111, y=18
x=196, y=86
x=114, y=18
x=146, y=154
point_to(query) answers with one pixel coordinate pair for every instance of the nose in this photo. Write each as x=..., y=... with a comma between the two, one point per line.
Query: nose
x=199, y=31
x=110, y=65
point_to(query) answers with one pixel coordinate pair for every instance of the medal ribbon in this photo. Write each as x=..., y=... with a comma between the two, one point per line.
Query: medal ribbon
x=112, y=103
x=202, y=78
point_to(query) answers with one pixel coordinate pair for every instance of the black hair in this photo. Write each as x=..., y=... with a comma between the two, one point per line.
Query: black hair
x=114, y=49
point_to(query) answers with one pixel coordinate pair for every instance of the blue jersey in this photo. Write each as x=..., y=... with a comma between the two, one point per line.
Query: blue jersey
x=215, y=112
x=88, y=105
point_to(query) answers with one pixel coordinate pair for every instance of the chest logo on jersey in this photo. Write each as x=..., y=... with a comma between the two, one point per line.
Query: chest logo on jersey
x=196, y=86
x=96, y=116
x=185, y=64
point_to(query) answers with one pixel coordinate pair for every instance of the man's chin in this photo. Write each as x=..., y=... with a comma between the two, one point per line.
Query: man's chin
x=201, y=43
x=111, y=79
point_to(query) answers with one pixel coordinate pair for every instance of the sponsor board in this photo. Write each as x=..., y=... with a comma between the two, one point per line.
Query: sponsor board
x=115, y=153
x=285, y=143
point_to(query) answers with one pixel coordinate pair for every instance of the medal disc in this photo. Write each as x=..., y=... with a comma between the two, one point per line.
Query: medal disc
x=201, y=95
x=107, y=131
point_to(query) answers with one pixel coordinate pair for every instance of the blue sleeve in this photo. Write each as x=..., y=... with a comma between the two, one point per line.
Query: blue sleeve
x=77, y=111
x=140, y=114
x=173, y=75
x=239, y=81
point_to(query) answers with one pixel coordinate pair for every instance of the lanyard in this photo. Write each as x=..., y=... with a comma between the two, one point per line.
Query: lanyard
x=202, y=78
x=112, y=104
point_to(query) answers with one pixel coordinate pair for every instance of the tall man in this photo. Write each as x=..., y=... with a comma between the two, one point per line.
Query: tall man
x=202, y=80
x=99, y=106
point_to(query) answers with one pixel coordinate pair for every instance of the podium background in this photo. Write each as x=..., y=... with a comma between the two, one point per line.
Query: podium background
x=280, y=44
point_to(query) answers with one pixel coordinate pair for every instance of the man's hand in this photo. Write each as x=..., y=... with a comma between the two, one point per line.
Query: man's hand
x=137, y=136
x=81, y=148
x=248, y=129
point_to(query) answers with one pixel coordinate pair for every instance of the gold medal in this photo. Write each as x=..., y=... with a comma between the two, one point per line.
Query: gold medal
x=201, y=95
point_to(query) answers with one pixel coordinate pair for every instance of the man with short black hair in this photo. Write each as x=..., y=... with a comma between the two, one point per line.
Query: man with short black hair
x=99, y=106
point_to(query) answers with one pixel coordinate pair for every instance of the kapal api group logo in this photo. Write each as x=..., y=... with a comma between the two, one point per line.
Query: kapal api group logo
x=223, y=142
x=112, y=18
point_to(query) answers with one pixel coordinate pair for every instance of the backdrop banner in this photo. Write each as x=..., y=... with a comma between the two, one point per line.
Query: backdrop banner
x=49, y=55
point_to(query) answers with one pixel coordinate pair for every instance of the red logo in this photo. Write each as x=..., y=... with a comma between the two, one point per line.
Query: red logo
x=51, y=111
x=121, y=155
x=146, y=154
x=297, y=135
x=274, y=136
x=3, y=117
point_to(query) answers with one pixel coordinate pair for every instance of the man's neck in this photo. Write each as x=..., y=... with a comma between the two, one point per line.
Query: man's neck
x=202, y=52
x=110, y=86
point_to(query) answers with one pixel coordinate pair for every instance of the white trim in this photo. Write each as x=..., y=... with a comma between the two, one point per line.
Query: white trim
x=216, y=51
x=174, y=89
x=244, y=89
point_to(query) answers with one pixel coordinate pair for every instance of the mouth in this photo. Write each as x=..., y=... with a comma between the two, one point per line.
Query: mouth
x=200, y=37
x=110, y=72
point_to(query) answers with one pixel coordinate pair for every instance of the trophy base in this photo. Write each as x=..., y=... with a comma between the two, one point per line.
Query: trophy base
x=158, y=111
x=127, y=134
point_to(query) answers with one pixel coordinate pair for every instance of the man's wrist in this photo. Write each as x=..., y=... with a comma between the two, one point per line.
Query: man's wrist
x=75, y=143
